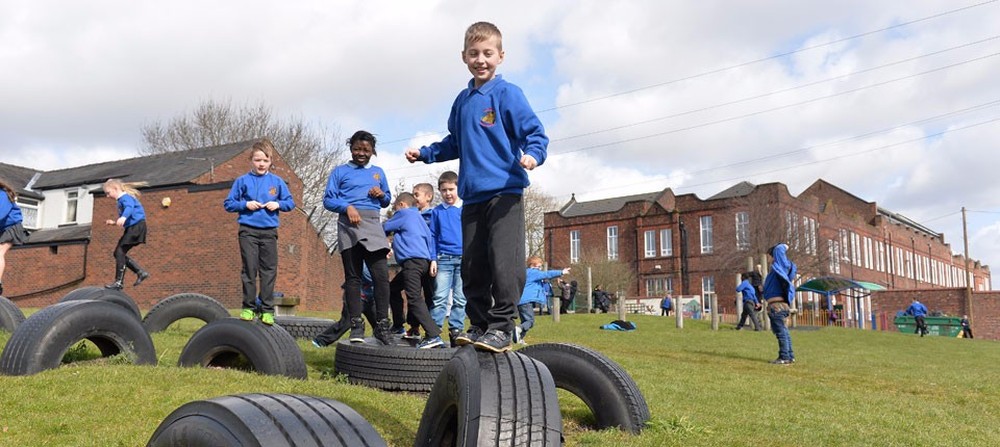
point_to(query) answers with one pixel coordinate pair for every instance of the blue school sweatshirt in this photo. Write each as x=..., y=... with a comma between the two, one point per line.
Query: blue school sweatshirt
x=446, y=230
x=779, y=280
x=534, y=288
x=749, y=294
x=10, y=213
x=412, y=238
x=261, y=188
x=349, y=184
x=489, y=129
x=130, y=208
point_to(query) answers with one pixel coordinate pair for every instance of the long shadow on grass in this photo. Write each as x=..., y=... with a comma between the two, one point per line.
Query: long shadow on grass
x=728, y=355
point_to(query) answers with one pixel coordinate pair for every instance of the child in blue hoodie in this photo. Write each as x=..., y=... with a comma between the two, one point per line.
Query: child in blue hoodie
x=497, y=139
x=750, y=302
x=257, y=197
x=533, y=294
x=357, y=191
x=11, y=231
x=780, y=293
x=411, y=243
x=131, y=217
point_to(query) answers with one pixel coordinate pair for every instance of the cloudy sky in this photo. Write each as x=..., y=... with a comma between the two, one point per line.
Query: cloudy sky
x=896, y=101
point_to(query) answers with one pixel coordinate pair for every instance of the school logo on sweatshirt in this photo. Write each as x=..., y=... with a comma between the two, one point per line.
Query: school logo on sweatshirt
x=273, y=191
x=489, y=118
x=377, y=177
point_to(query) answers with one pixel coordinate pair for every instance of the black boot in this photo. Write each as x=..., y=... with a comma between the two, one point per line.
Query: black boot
x=357, y=330
x=119, y=278
x=139, y=272
x=383, y=332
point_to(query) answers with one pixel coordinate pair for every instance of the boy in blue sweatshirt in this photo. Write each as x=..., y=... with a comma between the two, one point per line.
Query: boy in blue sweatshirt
x=446, y=257
x=411, y=243
x=780, y=293
x=497, y=139
x=533, y=294
x=257, y=197
x=750, y=302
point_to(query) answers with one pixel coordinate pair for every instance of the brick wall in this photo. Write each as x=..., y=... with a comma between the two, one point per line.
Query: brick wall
x=985, y=312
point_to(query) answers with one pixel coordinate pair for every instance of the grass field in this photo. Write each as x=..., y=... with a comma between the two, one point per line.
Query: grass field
x=704, y=388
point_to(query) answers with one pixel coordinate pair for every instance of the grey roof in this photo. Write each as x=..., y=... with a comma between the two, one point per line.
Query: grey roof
x=18, y=178
x=61, y=234
x=606, y=205
x=169, y=168
x=740, y=189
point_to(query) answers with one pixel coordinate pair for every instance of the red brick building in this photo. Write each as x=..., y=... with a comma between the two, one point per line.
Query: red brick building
x=192, y=244
x=691, y=246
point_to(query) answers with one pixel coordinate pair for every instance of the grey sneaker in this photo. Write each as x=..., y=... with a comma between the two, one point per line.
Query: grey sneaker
x=782, y=362
x=357, y=330
x=430, y=342
x=493, y=340
x=468, y=338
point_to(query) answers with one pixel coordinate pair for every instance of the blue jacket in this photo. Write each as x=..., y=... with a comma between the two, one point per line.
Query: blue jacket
x=533, y=288
x=666, y=303
x=749, y=294
x=349, y=185
x=261, y=188
x=917, y=309
x=10, y=213
x=489, y=129
x=130, y=208
x=779, y=280
x=412, y=238
x=446, y=229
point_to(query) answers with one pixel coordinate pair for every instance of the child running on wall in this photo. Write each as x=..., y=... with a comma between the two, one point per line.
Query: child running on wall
x=411, y=243
x=533, y=294
x=11, y=231
x=132, y=217
x=257, y=197
x=446, y=255
x=357, y=191
x=497, y=139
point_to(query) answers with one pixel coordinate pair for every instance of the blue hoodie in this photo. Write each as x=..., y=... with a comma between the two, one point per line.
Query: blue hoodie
x=489, y=129
x=10, y=213
x=412, y=238
x=917, y=309
x=779, y=280
x=130, y=208
x=533, y=288
x=749, y=294
x=261, y=188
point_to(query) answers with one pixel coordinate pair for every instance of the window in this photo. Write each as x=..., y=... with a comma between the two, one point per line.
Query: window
x=666, y=243
x=868, y=253
x=613, y=242
x=792, y=229
x=809, y=227
x=707, y=291
x=72, y=197
x=743, y=231
x=650, y=240
x=880, y=256
x=574, y=246
x=706, y=234
x=659, y=286
x=833, y=251
x=29, y=212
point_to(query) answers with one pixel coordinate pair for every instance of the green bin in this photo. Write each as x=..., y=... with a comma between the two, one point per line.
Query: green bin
x=943, y=326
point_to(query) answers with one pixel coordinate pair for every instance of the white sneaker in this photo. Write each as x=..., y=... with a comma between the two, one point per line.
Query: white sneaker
x=517, y=335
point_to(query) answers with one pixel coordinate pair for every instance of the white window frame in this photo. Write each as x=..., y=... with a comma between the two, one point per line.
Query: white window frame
x=649, y=240
x=574, y=246
x=743, y=231
x=613, y=242
x=72, y=203
x=30, y=208
x=707, y=290
x=666, y=242
x=705, y=223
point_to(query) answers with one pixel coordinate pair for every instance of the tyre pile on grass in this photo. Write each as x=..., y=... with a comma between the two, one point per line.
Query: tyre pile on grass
x=474, y=398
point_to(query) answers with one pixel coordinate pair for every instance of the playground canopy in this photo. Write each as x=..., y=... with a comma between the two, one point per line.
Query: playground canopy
x=829, y=285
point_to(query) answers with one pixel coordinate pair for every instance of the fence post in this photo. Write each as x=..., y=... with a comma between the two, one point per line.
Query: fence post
x=679, y=313
x=715, y=311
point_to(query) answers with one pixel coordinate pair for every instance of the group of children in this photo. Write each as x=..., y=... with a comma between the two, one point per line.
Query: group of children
x=496, y=137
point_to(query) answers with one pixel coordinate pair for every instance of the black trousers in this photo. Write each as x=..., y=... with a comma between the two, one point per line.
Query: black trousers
x=259, y=252
x=131, y=237
x=410, y=279
x=354, y=260
x=749, y=310
x=493, y=272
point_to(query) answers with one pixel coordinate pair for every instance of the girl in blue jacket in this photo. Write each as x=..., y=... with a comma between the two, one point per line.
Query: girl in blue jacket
x=131, y=217
x=11, y=231
x=534, y=292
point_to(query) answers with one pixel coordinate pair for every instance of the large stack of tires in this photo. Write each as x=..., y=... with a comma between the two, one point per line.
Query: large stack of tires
x=473, y=398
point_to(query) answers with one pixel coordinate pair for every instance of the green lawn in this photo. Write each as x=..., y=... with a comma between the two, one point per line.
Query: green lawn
x=704, y=388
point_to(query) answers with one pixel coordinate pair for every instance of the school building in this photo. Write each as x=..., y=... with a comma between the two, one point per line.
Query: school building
x=697, y=247
x=192, y=242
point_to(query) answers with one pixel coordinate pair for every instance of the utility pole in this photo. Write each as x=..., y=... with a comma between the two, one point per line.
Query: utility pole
x=968, y=274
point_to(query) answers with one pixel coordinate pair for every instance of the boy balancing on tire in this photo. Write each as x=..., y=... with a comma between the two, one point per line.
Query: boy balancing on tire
x=132, y=217
x=257, y=197
x=497, y=139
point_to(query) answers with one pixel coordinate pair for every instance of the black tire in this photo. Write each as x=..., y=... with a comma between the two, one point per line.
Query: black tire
x=303, y=327
x=265, y=420
x=101, y=294
x=485, y=399
x=598, y=381
x=401, y=367
x=183, y=305
x=248, y=345
x=10, y=315
x=40, y=342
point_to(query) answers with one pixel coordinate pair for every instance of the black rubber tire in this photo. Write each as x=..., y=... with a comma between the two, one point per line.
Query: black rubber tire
x=40, y=342
x=486, y=399
x=10, y=315
x=101, y=294
x=183, y=305
x=401, y=367
x=268, y=349
x=265, y=420
x=598, y=381
x=303, y=327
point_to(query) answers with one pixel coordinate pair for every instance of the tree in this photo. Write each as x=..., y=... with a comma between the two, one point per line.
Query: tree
x=310, y=151
x=613, y=275
x=536, y=204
